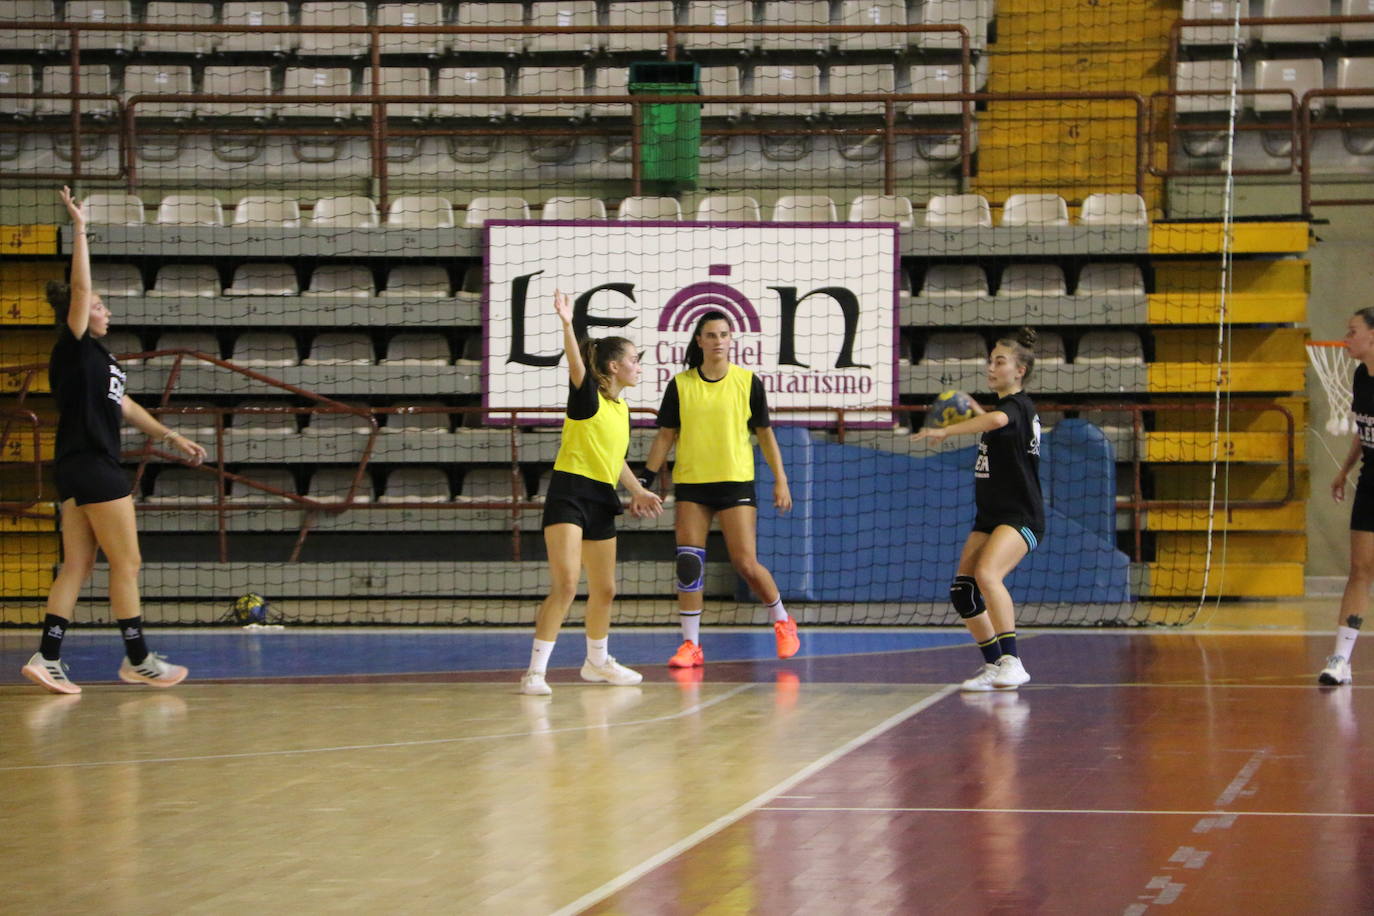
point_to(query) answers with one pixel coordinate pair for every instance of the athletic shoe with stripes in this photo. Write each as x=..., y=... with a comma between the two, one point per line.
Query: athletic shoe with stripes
x=785, y=632
x=688, y=655
x=51, y=675
x=1336, y=672
x=534, y=685
x=612, y=672
x=155, y=671
x=1010, y=673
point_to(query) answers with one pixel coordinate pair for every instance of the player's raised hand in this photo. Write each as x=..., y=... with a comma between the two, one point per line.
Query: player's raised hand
x=73, y=209
x=563, y=306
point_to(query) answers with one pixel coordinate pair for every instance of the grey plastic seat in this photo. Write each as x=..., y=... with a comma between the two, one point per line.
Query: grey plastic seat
x=1354, y=73
x=1210, y=79
x=332, y=81
x=1114, y=279
x=416, y=484
x=487, y=485
x=491, y=15
x=333, y=13
x=1314, y=33
x=186, y=486
x=162, y=12
x=1107, y=348
x=930, y=79
x=871, y=13
x=157, y=79
x=340, y=348
x=1224, y=11
x=190, y=210
x=347, y=280
x=563, y=14
x=609, y=81
x=403, y=81
x=104, y=12
x=272, y=422
x=267, y=210
x=199, y=341
x=122, y=342
x=1049, y=351
x=955, y=347
x=1295, y=76
x=342, y=424
x=31, y=39
x=113, y=210
x=95, y=80
x=264, y=279
x=955, y=281
x=417, y=348
x=642, y=13
x=795, y=13
x=255, y=14
x=408, y=15
x=860, y=79
x=353, y=212
x=200, y=281
x=18, y=79
x=785, y=80
x=420, y=212
x=466, y=81
x=719, y=13
x=1033, y=280
x=332, y=485
x=266, y=350
x=882, y=208
x=423, y=424
x=533, y=82
x=240, y=81
x=116, y=279
x=974, y=15
x=481, y=209
x=418, y=281
x=721, y=81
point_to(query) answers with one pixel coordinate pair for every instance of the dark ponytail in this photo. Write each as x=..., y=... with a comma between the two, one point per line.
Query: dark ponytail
x=60, y=298
x=1022, y=345
x=694, y=357
x=597, y=355
x=1367, y=313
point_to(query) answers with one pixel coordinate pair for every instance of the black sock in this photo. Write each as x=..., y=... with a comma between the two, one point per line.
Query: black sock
x=992, y=650
x=1008, y=642
x=134, y=646
x=54, y=628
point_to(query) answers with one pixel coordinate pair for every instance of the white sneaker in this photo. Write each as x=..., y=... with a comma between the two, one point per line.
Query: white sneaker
x=982, y=679
x=1010, y=673
x=50, y=675
x=534, y=685
x=612, y=672
x=155, y=671
x=1337, y=671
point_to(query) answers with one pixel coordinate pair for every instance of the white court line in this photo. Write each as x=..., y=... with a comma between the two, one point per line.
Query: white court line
x=1102, y=811
x=691, y=710
x=626, y=878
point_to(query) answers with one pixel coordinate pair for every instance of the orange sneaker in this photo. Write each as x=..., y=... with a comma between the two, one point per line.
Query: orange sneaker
x=788, y=640
x=688, y=655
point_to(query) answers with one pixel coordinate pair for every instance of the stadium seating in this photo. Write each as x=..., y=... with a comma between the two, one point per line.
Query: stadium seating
x=864, y=13
x=638, y=13
x=255, y=14
x=190, y=210
x=420, y=212
x=264, y=279
x=333, y=13
x=412, y=14
x=562, y=14
x=353, y=212
x=148, y=79
x=649, y=208
x=951, y=210
x=167, y=12
x=17, y=79
x=267, y=210
x=425, y=281
x=728, y=208
x=882, y=208
x=795, y=13
x=1114, y=210
x=491, y=15
x=353, y=280
x=105, y=12
x=785, y=80
x=232, y=81
x=186, y=280
x=113, y=210
x=574, y=208
x=804, y=208
x=461, y=81
x=719, y=13
x=481, y=209
x=1035, y=210
x=95, y=80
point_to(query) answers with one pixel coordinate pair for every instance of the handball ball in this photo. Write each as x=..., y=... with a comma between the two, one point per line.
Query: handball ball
x=251, y=609
x=949, y=407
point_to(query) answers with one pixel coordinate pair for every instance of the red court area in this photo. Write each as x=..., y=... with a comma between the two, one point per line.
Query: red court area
x=1171, y=773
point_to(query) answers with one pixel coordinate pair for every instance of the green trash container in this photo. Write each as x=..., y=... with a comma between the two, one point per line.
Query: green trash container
x=670, y=135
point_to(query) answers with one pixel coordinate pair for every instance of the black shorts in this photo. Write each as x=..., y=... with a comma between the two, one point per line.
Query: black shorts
x=1032, y=536
x=90, y=477
x=589, y=504
x=1362, y=511
x=730, y=494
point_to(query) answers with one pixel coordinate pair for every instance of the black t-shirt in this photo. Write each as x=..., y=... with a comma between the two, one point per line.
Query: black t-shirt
x=88, y=386
x=1007, y=471
x=583, y=402
x=669, y=415
x=1362, y=406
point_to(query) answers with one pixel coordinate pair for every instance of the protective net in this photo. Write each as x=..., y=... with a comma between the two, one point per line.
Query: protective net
x=329, y=234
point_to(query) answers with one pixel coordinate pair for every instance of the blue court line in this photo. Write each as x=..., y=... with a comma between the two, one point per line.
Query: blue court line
x=219, y=653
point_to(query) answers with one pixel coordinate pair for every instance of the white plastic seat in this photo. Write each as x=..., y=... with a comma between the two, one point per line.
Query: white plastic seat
x=1221, y=34
x=974, y=15
x=353, y=280
x=333, y=13
x=188, y=486
x=1110, y=348
x=471, y=286
x=255, y=13
x=236, y=80
x=266, y=350
x=1212, y=77
x=95, y=80
x=417, y=348
x=574, y=208
x=481, y=209
x=116, y=279
x=190, y=210
x=332, y=485
x=804, y=208
x=1356, y=31
x=955, y=347
x=462, y=81
x=641, y=13
x=784, y=80
x=1114, y=210
x=420, y=212
x=408, y=15
x=1354, y=73
x=113, y=209
x=402, y=81
x=18, y=79
x=340, y=348
x=105, y=12
x=1035, y=210
x=417, y=281
x=1118, y=279
x=860, y=79
x=729, y=208
x=264, y=279
x=416, y=485
x=719, y=13
x=355, y=212
x=31, y=39
x=149, y=79
x=929, y=79
x=609, y=81
x=199, y=281
x=488, y=485
x=563, y=14
x=342, y=425
x=276, y=477
x=199, y=341
x=1314, y=33
x=267, y=210
x=882, y=208
x=795, y=13
x=275, y=422
x=720, y=81
x=649, y=208
x=1296, y=76
x=162, y=12
x=958, y=210
x=122, y=342
x=335, y=81
x=1049, y=351
x=418, y=423
x=955, y=281
x=491, y=15
x=1033, y=280
x=532, y=82
x=871, y=13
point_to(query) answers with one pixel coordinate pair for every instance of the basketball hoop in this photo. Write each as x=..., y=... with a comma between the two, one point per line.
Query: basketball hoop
x=1334, y=368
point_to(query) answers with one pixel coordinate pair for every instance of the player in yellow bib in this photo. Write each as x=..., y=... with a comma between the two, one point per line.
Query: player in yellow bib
x=708, y=412
x=581, y=504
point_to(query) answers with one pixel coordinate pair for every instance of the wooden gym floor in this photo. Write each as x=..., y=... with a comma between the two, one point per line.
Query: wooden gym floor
x=1184, y=771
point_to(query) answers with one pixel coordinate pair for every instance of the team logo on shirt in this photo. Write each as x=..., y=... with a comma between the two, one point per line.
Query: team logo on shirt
x=117, y=377
x=1035, y=437
x=1364, y=427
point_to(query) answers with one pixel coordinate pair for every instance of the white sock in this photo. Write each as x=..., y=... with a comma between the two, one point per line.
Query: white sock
x=1345, y=641
x=776, y=609
x=597, y=650
x=691, y=625
x=539, y=655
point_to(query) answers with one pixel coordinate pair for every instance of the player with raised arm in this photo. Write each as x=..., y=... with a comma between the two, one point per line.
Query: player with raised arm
x=708, y=412
x=1359, y=343
x=581, y=504
x=1010, y=518
x=93, y=490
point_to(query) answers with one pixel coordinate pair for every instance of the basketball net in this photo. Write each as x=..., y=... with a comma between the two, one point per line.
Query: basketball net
x=1334, y=367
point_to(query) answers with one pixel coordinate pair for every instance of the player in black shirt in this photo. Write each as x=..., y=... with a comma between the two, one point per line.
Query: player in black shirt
x=97, y=510
x=1359, y=343
x=1010, y=519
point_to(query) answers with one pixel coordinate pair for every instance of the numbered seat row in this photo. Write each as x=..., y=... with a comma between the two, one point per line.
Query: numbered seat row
x=1314, y=33
x=1106, y=348
x=411, y=281
x=279, y=349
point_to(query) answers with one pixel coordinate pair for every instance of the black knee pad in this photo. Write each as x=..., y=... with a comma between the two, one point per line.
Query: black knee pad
x=964, y=595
